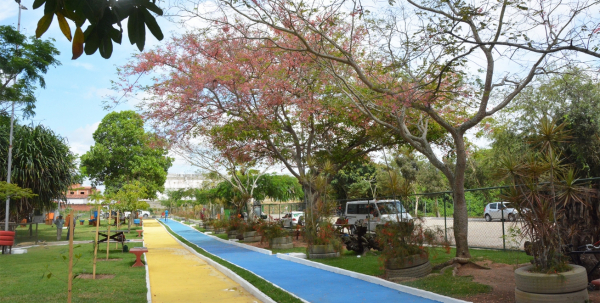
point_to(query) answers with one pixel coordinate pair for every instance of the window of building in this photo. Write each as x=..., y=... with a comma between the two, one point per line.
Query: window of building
x=82, y=192
x=72, y=193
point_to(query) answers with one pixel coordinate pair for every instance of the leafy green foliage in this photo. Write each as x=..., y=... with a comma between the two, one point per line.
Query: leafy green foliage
x=14, y=191
x=125, y=152
x=27, y=59
x=102, y=16
x=42, y=162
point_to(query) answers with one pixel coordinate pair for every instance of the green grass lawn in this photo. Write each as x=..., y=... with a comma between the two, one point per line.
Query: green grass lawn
x=25, y=276
x=448, y=285
x=82, y=232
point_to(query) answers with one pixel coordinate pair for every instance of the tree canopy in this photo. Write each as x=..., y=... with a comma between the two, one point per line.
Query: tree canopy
x=26, y=60
x=415, y=59
x=125, y=152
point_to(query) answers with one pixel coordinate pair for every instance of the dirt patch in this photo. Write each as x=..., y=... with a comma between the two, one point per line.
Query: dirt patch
x=98, y=276
x=501, y=278
x=110, y=259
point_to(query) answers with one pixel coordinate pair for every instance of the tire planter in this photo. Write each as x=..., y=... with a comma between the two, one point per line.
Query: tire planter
x=407, y=262
x=322, y=252
x=7, y=233
x=251, y=236
x=281, y=243
x=570, y=286
x=578, y=296
x=418, y=271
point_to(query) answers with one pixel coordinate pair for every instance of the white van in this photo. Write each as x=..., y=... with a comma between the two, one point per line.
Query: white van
x=376, y=211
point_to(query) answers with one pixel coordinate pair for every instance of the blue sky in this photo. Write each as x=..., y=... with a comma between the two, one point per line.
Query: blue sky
x=71, y=104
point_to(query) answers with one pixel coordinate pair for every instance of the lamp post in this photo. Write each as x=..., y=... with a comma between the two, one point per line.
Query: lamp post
x=12, y=120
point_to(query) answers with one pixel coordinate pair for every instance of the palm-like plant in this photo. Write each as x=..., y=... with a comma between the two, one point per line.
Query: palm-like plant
x=43, y=162
x=544, y=190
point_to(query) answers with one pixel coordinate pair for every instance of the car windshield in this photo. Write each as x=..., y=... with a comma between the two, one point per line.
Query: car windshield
x=388, y=208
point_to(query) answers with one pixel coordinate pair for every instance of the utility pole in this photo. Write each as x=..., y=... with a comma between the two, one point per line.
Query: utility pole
x=12, y=121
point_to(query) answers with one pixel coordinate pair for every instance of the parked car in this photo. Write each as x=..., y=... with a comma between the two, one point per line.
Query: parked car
x=290, y=219
x=377, y=211
x=141, y=213
x=495, y=210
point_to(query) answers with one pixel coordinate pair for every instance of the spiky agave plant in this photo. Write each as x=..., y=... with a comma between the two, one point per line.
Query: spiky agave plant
x=544, y=190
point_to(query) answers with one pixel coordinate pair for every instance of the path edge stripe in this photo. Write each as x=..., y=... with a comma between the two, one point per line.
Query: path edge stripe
x=229, y=273
x=242, y=245
x=149, y=293
x=375, y=280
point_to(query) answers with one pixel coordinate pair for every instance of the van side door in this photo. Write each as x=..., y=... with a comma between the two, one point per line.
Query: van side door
x=351, y=212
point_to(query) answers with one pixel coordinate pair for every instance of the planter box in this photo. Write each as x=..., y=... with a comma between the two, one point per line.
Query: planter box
x=406, y=262
x=251, y=236
x=281, y=243
x=322, y=252
x=569, y=286
x=409, y=272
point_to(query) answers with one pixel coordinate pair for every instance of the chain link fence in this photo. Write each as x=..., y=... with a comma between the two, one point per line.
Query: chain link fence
x=500, y=230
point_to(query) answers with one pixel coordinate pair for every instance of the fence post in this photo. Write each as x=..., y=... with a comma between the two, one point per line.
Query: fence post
x=445, y=218
x=503, y=235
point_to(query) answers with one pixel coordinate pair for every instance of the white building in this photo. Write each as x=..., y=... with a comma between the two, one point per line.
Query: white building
x=181, y=181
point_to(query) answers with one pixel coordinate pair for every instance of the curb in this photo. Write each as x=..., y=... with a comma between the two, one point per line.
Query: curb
x=149, y=293
x=242, y=245
x=405, y=289
x=230, y=274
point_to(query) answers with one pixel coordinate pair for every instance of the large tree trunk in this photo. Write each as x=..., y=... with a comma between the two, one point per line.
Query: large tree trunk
x=461, y=219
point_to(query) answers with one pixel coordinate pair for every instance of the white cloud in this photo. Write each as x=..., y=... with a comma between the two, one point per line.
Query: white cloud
x=87, y=66
x=81, y=139
x=8, y=9
x=98, y=93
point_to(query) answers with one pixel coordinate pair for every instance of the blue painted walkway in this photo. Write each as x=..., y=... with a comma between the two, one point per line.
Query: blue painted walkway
x=309, y=283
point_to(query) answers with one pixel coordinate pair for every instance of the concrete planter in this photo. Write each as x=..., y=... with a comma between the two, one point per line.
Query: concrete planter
x=406, y=262
x=232, y=234
x=570, y=286
x=413, y=266
x=251, y=236
x=281, y=243
x=322, y=252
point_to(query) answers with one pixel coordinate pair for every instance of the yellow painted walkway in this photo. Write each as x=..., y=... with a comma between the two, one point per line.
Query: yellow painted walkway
x=176, y=275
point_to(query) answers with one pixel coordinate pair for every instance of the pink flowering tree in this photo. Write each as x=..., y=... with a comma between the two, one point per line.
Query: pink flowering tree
x=251, y=101
x=448, y=63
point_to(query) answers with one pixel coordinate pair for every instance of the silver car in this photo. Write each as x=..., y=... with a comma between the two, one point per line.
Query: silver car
x=496, y=210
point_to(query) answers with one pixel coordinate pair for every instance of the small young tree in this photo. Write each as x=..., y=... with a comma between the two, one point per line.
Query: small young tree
x=97, y=201
x=128, y=199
